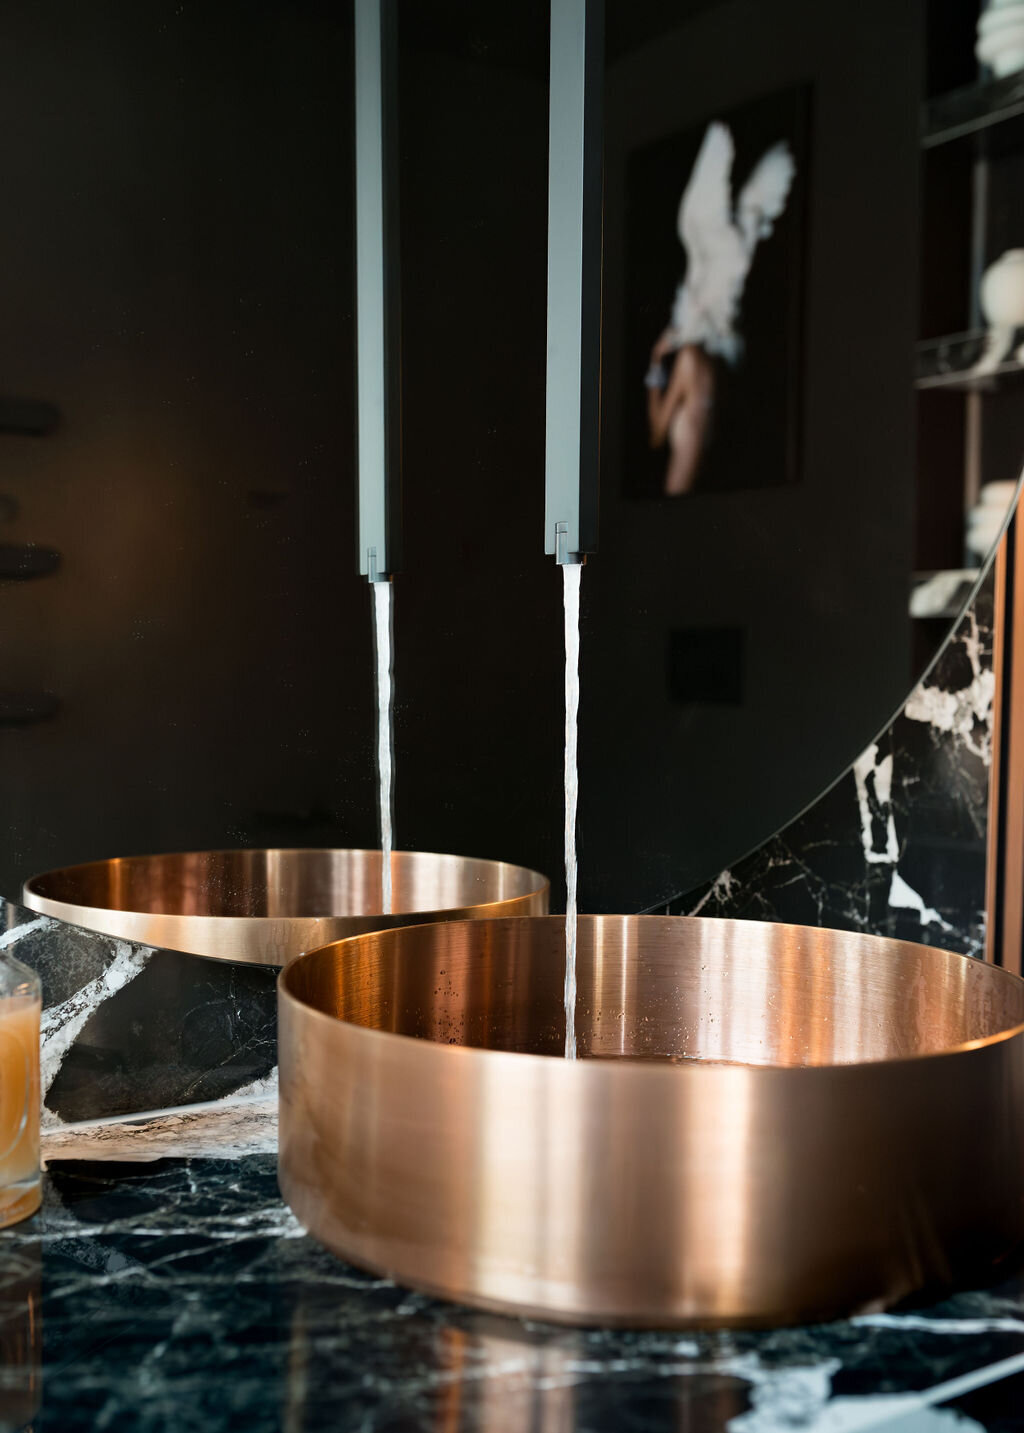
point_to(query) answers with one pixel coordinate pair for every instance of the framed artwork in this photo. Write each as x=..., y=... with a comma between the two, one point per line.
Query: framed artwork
x=713, y=291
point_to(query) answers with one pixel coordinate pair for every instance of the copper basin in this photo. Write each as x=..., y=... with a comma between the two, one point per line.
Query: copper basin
x=264, y=907
x=767, y=1124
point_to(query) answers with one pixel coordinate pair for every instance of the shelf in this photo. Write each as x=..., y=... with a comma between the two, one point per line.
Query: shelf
x=972, y=109
x=942, y=594
x=956, y=361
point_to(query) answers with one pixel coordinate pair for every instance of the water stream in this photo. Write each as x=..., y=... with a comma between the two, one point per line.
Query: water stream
x=385, y=741
x=571, y=599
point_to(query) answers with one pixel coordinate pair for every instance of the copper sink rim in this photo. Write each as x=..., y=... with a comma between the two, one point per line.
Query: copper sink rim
x=655, y=1069
x=244, y=929
x=431, y=917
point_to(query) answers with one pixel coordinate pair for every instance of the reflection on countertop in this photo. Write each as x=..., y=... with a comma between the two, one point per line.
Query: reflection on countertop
x=180, y=1292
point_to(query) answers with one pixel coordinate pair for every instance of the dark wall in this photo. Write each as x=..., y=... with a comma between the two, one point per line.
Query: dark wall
x=814, y=575
x=176, y=276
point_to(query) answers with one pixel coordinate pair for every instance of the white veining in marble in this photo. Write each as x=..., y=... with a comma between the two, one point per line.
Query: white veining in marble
x=869, y=764
x=17, y=932
x=967, y=713
x=800, y=1397
x=782, y=1396
x=220, y=1129
x=266, y=1088
x=904, y=898
x=721, y=888
x=921, y=1323
x=230, y=1217
x=871, y=768
x=898, y=1412
x=62, y=1024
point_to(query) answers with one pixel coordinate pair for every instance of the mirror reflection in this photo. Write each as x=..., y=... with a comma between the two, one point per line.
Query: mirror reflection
x=811, y=354
x=21, y=1334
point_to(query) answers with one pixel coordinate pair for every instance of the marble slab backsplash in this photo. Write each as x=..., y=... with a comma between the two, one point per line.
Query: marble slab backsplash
x=128, y=1028
x=897, y=846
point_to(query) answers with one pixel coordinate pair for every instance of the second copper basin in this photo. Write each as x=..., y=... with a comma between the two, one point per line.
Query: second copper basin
x=768, y=1123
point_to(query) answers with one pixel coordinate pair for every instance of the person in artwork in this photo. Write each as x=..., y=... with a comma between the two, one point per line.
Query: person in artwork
x=703, y=328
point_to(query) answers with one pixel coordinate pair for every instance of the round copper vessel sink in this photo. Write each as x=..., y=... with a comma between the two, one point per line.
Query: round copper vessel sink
x=767, y=1123
x=266, y=906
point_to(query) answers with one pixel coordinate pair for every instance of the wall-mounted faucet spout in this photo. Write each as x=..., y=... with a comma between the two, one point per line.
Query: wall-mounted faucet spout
x=378, y=326
x=575, y=195
x=573, y=419
x=378, y=366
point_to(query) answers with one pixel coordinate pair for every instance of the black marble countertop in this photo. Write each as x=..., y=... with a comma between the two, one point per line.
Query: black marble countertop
x=164, y=1285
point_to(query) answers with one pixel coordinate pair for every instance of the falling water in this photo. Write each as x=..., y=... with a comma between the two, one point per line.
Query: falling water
x=571, y=598
x=382, y=628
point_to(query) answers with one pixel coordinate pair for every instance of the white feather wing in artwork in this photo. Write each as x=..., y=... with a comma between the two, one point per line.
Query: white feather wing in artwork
x=705, y=210
x=719, y=249
x=717, y=260
x=764, y=195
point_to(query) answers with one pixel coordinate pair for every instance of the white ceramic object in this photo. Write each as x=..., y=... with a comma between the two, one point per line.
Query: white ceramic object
x=986, y=518
x=1004, y=56
x=997, y=495
x=993, y=21
x=1006, y=62
x=1001, y=37
x=1002, y=291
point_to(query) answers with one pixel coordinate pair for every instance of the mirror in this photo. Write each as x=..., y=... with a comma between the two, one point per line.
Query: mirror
x=188, y=650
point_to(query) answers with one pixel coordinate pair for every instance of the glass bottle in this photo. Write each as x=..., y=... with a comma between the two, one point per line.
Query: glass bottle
x=20, y=1007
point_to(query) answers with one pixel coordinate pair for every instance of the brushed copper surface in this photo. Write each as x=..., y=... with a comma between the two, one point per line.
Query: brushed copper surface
x=1004, y=890
x=999, y=768
x=768, y=1123
x=266, y=906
